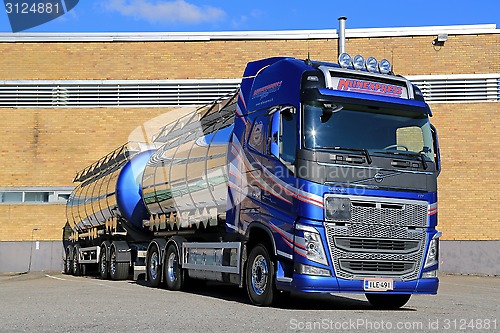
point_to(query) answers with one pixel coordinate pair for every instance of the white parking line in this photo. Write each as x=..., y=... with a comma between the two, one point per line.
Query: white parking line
x=54, y=277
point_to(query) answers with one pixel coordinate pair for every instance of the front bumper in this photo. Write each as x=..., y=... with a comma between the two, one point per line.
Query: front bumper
x=319, y=284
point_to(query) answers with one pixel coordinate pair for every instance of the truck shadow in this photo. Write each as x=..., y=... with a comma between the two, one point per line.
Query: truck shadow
x=296, y=301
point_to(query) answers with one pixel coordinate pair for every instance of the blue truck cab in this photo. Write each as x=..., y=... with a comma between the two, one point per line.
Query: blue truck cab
x=333, y=181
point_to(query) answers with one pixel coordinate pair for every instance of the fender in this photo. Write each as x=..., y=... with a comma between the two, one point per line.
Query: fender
x=263, y=227
x=177, y=241
x=123, y=253
x=161, y=244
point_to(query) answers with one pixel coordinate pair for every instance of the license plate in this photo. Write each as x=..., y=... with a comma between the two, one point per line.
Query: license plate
x=374, y=284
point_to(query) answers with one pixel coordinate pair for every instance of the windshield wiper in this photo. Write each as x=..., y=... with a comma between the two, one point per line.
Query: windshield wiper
x=363, y=151
x=420, y=155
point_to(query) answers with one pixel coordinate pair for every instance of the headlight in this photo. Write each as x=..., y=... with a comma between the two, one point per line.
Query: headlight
x=314, y=250
x=337, y=209
x=432, y=257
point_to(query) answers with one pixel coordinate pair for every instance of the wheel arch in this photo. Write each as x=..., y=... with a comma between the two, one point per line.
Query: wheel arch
x=259, y=233
x=161, y=244
x=177, y=241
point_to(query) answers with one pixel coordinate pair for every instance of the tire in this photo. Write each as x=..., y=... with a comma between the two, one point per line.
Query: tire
x=117, y=270
x=388, y=301
x=76, y=267
x=174, y=276
x=103, y=264
x=153, y=267
x=68, y=261
x=259, y=277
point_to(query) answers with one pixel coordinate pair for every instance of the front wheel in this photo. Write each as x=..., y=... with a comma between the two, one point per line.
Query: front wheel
x=259, y=277
x=388, y=301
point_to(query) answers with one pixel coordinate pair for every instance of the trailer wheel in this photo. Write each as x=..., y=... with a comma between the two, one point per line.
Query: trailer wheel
x=117, y=270
x=77, y=271
x=68, y=261
x=173, y=274
x=388, y=301
x=103, y=264
x=259, y=277
x=153, y=267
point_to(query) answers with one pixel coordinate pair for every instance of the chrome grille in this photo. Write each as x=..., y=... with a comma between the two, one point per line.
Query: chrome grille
x=384, y=237
x=376, y=245
x=404, y=214
x=391, y=234
x=377, y=267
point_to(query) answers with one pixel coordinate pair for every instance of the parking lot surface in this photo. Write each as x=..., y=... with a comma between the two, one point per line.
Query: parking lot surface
x=53, y=302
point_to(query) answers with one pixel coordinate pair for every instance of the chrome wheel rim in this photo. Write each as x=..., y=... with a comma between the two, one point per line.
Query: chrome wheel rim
x=172, y=267
x=75, y=261
x=68, y=263
x=153, y=266
x=112, y=264
x=103, y=263
x=260, y=273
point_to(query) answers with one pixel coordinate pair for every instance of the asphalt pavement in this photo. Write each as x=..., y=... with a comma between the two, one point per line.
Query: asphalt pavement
x=53, y=302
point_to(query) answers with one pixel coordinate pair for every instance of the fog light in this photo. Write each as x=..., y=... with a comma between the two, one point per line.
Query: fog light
x=430, y=274
x=311, y=270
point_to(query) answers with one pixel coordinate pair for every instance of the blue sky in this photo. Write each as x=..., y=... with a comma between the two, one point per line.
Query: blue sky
x=219, y=15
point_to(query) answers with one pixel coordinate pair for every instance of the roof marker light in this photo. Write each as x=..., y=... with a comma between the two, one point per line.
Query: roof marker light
x=345, y=60
x=384, y=66
x=372, y=64
x=359, y=62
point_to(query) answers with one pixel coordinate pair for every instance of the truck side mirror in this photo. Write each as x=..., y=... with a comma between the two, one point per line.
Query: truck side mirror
x=275, y=127
x=437, y=153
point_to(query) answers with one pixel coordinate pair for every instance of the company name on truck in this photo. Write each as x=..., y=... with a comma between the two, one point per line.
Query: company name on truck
x=370, y=87
x=266, y=90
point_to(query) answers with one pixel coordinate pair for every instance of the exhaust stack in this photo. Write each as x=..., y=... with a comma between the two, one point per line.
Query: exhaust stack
x=341, y=34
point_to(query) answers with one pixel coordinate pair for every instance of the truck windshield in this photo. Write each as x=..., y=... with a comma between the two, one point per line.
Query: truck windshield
x=377, y=131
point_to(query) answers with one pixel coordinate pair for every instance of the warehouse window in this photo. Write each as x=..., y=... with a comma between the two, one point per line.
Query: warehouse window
x=16, y=196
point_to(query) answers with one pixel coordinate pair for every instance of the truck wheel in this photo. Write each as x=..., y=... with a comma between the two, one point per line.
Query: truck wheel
x=153, y=267
x=389, y=301
x=117, y=270
x=76, y=264
x=103, y=265
x=68, y=264
x=259, y=277
x=174, y=276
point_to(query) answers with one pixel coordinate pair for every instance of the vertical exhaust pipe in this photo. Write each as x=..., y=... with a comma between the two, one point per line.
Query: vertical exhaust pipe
x=341, y=34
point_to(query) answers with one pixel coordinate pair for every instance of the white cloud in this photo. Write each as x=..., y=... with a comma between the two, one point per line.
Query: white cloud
x=177, y=11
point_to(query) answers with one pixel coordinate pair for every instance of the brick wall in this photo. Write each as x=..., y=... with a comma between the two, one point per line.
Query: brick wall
x=227, y=59
x=468, y=186
x=46, y=147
